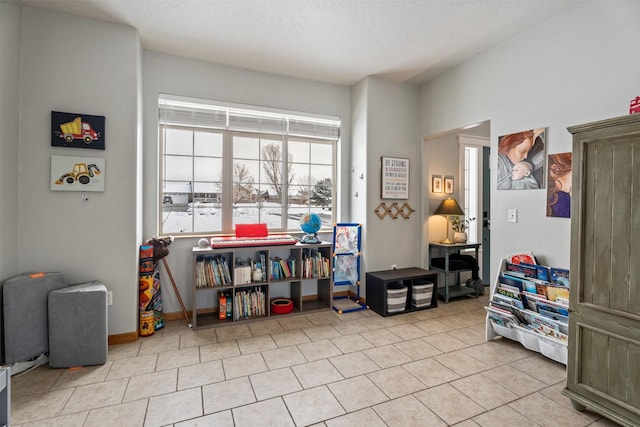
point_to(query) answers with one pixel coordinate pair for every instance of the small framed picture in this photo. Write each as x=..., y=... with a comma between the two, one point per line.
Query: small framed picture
x=436, y=183
x=77, y=130
x=448, y=185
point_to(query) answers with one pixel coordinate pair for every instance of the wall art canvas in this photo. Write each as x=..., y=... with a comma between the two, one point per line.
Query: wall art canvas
x=395, y=178
x=77, y=173
x=521, y=160
x=559, y=185
x=77, y=130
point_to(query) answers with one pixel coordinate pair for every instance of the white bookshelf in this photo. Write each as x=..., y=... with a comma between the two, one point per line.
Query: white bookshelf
x=547, y=346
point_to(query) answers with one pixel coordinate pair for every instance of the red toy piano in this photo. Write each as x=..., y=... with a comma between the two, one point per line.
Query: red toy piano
x=252, y=235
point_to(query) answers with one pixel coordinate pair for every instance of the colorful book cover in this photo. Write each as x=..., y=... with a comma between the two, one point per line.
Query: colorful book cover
x=552, y=307
x=560, y=276
x=555, y=292
x=528, y=271
x=522, y=258
x=554, y=316
x=542, y=271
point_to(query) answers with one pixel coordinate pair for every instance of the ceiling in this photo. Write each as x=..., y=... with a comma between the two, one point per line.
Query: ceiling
x=333, y=41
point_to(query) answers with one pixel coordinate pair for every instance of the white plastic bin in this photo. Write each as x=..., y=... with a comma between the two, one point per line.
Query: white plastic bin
x=396, y=298
x=421, y=294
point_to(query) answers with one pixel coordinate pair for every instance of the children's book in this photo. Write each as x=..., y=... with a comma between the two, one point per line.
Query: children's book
x=555, y=292
x=526, y=270
x=508, y=300
x=553, y=307
x=554, y=316
x=522, y=257
x=542, y=271
x=560, y=276
x=501, y=317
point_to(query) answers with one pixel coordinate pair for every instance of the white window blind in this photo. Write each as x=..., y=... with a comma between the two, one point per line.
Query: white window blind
x=184, y=113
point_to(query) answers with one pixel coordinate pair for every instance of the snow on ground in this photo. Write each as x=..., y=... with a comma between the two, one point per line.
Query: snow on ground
x=206, y=217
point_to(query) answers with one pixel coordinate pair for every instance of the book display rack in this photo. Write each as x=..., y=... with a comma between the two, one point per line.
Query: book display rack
x=529, y=304
x=242, y=283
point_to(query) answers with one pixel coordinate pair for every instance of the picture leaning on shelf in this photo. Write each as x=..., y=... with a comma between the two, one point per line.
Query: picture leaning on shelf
x=533, y=297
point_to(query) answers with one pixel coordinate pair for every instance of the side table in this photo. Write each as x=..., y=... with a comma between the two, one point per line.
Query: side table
x=445, y=266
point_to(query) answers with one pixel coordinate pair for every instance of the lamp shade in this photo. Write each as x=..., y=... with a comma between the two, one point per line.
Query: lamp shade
x=449, y=207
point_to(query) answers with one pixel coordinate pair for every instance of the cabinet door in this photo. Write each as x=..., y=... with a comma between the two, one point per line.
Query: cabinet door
x=604, y=342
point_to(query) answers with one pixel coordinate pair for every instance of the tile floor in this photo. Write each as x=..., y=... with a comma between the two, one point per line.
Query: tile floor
x=426, y=368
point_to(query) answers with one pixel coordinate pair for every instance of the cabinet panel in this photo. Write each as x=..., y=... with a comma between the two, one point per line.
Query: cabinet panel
x=606, y=365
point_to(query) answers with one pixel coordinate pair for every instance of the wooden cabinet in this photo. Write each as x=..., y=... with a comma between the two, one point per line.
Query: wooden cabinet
x=306, y=280
x=603, y=370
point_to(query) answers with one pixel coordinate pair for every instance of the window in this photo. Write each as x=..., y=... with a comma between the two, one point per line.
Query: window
x=223, y=165
x=471, y=174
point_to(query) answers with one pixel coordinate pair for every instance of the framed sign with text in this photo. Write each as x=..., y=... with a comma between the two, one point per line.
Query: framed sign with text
x=395, y=178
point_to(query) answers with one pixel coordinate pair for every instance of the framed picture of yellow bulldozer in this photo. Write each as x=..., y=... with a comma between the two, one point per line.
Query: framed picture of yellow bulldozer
x=77, y=130
x=77, y=173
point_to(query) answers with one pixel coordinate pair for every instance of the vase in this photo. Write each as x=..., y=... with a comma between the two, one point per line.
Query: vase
x=460, y=237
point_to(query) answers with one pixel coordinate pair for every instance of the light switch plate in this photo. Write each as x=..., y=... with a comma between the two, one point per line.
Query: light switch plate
x=512, y=215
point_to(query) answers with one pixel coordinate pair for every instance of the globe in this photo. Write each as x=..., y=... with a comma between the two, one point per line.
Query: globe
x=310, y=223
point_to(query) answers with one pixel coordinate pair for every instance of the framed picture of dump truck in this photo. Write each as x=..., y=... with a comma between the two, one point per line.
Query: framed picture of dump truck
x=77, y=130
x=77, y=173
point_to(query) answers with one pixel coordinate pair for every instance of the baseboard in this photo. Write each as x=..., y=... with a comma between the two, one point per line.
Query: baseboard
x=123, y=338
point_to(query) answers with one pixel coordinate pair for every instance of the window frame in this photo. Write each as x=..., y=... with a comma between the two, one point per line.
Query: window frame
x=226, y=207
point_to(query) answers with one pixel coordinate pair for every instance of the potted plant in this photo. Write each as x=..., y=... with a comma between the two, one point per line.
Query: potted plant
x=460, y=227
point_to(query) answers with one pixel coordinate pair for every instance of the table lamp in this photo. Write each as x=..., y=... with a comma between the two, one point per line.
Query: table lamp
x=447, y=208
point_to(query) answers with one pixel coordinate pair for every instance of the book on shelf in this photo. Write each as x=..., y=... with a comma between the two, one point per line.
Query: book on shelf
x=250, y=302
x=555, y=292
x=525, y=257
x=537, y=319
x=523, y=270
x=552, y=333
x=509, y=296
x=520, y=282
x=542, y=271
x=212, y=271
x=502, y=317
x=553, y=307
x=554, y=316
x=560, y=276
x=315, y=265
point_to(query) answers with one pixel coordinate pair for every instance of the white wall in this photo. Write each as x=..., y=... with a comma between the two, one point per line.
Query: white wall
x=392, y=131
x=9, y=136
x=77, y=65
x=179, y=76
x=440, y=157
x=577, y=67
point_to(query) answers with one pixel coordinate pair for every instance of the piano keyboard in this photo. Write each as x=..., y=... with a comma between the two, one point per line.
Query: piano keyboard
x=238, y=242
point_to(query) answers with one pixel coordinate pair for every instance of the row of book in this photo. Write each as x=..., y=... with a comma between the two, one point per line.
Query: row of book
x=250, y=302
x=521, y=298
x=315, y=265
x=212, y=271
x=283, y=268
